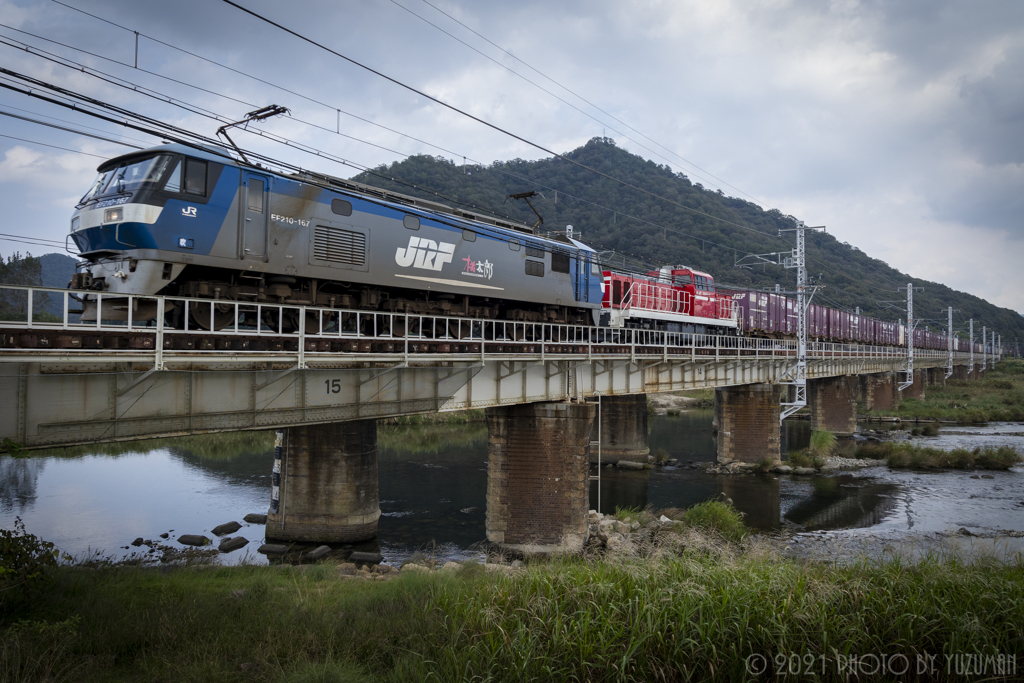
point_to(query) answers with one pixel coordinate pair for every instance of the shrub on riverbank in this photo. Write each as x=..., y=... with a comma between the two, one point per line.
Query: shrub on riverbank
x=997, y=397
x=698, y=615
x=912, y=456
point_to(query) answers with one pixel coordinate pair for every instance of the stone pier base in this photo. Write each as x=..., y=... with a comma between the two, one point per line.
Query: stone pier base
x=623, y=429
x=329, y=488
x=960, y=372
x=748, y=422
x=878, y=391
x=916, y=390
x=833, y=405
x=538, y=476
x=936, y=377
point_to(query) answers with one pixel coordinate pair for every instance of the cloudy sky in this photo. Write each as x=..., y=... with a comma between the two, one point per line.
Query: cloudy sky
x=899, y=125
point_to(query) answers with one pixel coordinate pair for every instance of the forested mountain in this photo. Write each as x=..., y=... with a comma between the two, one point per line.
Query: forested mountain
x=627, y=222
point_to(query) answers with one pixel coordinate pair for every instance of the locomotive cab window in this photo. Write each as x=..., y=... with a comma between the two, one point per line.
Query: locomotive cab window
x=411, y=222
x=341, y=207
x=173, y=183
x=535, y=268
x=195, y=177
x=534, y=252
x=559, y=262
x=255, y=195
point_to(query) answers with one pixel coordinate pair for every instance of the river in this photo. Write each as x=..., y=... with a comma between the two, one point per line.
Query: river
x=93, y=501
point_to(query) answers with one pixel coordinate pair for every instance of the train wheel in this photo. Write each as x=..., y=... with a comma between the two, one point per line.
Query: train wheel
x=199, y=315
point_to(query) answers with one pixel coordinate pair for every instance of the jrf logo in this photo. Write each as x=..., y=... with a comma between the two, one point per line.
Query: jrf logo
x=424, y=253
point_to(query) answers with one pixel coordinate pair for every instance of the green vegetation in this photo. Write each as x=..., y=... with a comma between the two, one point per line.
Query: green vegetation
x=804, y=459
x=822, y=443
x=997, y=397
x=712, y=517
x=687, y=614
x=427, y=437
x=912, y=456
x=853, y=277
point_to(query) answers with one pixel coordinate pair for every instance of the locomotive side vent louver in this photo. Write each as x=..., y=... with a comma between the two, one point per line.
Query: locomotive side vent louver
x=339, y=246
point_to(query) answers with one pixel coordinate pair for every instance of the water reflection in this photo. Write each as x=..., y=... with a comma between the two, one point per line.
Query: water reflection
x=433, y=487
x=18, y=478
x=842, y=502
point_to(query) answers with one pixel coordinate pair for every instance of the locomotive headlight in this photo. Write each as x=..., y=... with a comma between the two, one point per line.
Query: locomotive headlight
x=74, y=224
x=113, y=215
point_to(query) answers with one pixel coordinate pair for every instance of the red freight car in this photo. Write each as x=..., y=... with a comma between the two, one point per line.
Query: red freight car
x=674, y=298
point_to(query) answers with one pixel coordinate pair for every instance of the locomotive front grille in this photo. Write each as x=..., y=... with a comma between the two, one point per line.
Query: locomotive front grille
x=339, y=246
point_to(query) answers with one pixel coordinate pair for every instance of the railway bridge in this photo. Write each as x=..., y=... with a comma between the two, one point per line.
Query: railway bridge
x=556, y=396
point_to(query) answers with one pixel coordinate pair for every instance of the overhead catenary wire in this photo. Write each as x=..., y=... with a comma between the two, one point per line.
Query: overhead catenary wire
x=577, y=95
x=665, y=228
x=148, y=91
x=482, y=121
x=66, y=149
x=85, y=68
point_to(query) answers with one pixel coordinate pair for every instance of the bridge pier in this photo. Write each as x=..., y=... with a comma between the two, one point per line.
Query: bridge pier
x=916, y=390
x=878, y=391
x=748, y=422
x=936, y=376
x=329, y=489
x=833, y=405
x=960, y=372
x=538, y=476
x=623, y=429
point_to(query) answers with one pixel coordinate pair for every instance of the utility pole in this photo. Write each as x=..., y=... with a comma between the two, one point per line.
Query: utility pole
x=949, y=344
x=984, y=340
x=972, y=346
x=908, y=365
x=798, y=374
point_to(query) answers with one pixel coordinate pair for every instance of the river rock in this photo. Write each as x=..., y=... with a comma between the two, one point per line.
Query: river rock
x=194, y=539
x=272, y=549
x=255, y=518
x=621, y=527
x=228, y=528
x=451, y=566
x=368, y=558
x=413, y=567
x=347, y=569
x=783, y=469
x=231, y=544
x=165, y=535
x=803, y=470
x=138, y=541
x=630, y=465
x=317, y=553
x=987, y=476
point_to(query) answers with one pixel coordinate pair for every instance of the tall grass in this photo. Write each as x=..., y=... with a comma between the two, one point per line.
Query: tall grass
x=822, y=443
x=680, y=615
x=912, y=456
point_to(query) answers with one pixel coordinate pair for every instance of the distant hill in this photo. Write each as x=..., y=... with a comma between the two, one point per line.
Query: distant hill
x=49, y=270
x=635, y=225
x=57, y=269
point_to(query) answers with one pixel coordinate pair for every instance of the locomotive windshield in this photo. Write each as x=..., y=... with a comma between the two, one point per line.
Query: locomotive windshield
x=129, y=176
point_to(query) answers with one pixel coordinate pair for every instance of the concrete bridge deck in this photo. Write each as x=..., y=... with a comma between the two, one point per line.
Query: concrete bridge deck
x=68, y=382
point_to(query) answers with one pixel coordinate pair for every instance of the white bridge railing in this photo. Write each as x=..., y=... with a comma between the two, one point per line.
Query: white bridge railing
x=314, y=330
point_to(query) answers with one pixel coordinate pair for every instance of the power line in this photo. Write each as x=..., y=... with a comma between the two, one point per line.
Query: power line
x=34, y=142
x=80, y=66
x=539, y=87
x=64, y=128
x=611, y=116
x=478, y=119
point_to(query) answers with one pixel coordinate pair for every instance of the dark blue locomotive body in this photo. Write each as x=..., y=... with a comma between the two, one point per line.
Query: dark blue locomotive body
x=183, y=221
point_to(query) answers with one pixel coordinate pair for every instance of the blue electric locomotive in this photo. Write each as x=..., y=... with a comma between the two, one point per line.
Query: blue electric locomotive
x=189, y=222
